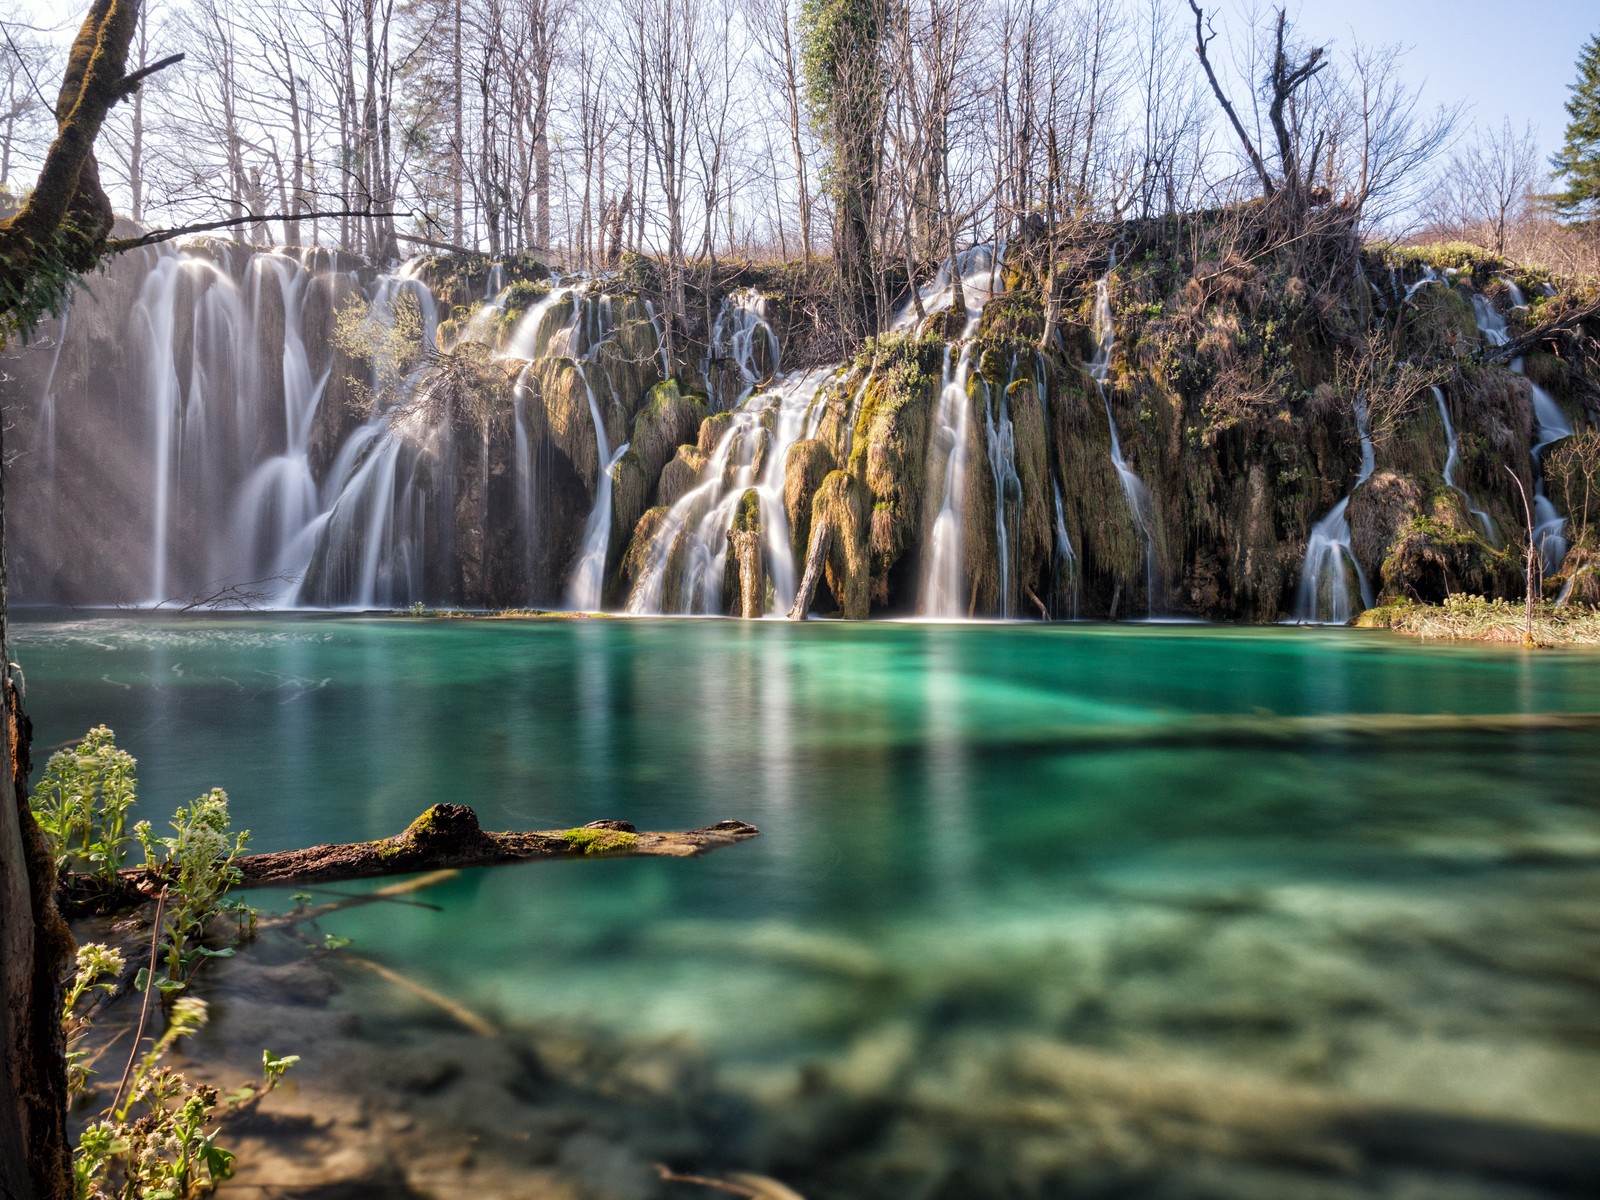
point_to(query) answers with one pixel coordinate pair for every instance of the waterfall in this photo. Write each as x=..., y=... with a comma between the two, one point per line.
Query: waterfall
x=853, y=414
x=1490, y=323
x=941, y=585
x=369, y=544
x=686, y=559
x=369, y=548
x=741, y=327
x=978, y=268
x=1452, y=460
x=588, y=576
x=529, y=339
x=1517, y=298
x=523, y=469
x=1324, y=593
x=47, y=424
x=1551, y=425
x=1429, y=275
x=1066, y=557
x=1134, y=491
x=659, y=326
x=1001, y=442
x=190, y=326
x=279, y=498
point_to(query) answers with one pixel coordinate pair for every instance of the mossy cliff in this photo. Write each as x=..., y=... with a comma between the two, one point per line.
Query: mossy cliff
x=1244, y=375
x=1238, y=385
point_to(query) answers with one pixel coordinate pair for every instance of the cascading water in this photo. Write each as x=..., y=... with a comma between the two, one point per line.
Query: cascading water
x=740, y=333
x=853, y=413
x=1134, y=491
x=370, y=544
x=1001, y=442
x=1491, y=325
x=1550, y=425
x=198, y=348
x=279, y=499
x=1548, y=523
x=1453, y=459
x=1065, y=562
x=941, y=585
x=592, y=317
x=1429, y=275
x=686, y=560
x=978, y=268
x=1324, y=594
x=1066, y=557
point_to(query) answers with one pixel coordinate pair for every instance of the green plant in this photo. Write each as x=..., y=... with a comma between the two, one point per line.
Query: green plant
x=94, y=962
x=81, y=804
x=161, y=1144
x=196, y=864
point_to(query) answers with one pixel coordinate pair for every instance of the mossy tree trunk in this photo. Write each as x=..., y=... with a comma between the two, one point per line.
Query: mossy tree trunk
x=59, y=233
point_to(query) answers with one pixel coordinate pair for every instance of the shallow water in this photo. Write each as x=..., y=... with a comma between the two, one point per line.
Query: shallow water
x=1406, y=921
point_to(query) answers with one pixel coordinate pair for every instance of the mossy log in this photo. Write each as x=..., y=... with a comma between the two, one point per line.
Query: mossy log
x=445, y=836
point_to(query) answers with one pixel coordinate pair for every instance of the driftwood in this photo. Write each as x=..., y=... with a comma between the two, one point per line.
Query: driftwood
x=445, y=836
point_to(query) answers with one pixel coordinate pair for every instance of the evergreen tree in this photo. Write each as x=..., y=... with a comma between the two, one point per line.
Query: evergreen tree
x=1578, y=163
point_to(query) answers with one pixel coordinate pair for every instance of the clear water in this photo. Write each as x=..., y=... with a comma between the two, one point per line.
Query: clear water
x=1409, y=921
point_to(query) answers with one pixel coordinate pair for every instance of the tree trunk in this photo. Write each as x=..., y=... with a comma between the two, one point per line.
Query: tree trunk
x=752, y=575
x=35, y=955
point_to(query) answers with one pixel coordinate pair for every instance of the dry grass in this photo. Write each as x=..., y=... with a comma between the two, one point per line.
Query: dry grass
x=1472, y=618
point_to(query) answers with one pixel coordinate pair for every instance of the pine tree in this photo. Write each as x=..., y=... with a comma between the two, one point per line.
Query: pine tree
x=1578, y=163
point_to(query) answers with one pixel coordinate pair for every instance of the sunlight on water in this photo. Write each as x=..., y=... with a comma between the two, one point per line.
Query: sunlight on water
x=945, y=849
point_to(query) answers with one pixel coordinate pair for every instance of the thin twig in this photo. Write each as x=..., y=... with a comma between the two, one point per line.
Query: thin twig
x=144, y=1008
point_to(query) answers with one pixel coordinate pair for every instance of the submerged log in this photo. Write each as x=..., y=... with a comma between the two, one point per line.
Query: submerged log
x=445, y=836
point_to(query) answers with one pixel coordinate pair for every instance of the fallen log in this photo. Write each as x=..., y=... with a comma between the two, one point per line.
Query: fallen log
x=445, y=836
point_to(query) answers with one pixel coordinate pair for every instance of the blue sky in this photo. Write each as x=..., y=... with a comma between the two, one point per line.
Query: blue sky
x=1504, y=57
x=1514, y=58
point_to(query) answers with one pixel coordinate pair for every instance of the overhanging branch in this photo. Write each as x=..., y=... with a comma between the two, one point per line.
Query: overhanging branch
x=156, y=236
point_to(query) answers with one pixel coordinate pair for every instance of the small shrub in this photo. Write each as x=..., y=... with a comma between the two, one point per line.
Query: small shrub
x=81, y=804
x=197, y=865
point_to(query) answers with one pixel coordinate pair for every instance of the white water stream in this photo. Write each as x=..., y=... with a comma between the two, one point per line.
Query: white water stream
x=689, y=550
x=1134, y=491
x=1453, y=460
x=1324, y=596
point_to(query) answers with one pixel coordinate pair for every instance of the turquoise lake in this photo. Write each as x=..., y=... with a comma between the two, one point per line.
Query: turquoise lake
x=1407, y=921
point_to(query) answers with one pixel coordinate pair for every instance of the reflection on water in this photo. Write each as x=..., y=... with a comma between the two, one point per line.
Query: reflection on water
x=954, y=907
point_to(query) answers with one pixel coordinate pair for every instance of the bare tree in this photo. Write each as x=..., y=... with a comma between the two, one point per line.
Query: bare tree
x=1485, y=185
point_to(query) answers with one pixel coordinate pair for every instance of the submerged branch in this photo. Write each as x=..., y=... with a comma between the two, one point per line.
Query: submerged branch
x=445, y=836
